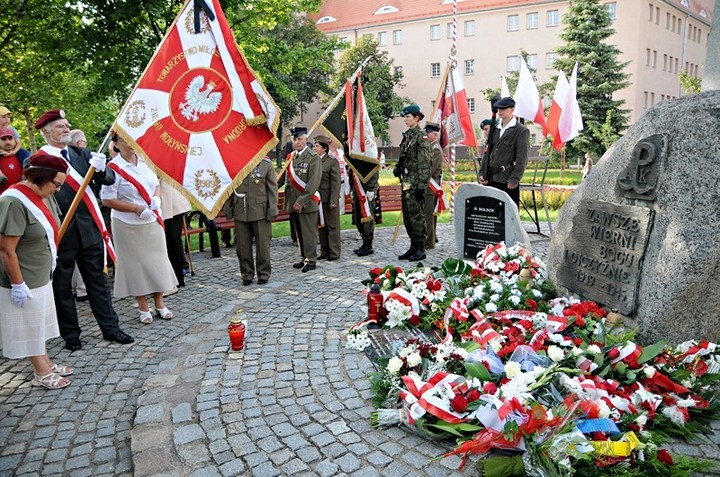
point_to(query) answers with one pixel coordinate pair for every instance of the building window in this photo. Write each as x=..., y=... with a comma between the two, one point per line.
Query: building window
x=612, y=10
x=532, y=21
x=513, y=22
x=654, y=61
x=532, y=61
x=550, y=60
x=434, y=70
x=397, y=37
x=382, y=38
x=449, y=30
x=648, y=55
x=434, y=32
x=657, y=15
x=386, y=9
x=471, y=105
x=469, y=67
x=513, y=63
x=470, y=28
x=645, y=100
x=665, y=58
x=652, y=99
x=553, y=18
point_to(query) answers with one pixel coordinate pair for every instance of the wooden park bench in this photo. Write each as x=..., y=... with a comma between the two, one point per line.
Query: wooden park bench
x=198, y=223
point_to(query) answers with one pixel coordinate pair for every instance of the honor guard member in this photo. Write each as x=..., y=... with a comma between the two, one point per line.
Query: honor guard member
x=413, y=170
x=330, y=196
x=432, y=130
x=507, y=154
x=364, y=225
x=302, y=198
x=253, y=206
x=83, y=240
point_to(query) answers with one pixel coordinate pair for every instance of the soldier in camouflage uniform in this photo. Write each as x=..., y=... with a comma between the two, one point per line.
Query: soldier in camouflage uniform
x=432, y=130
x=413, y=169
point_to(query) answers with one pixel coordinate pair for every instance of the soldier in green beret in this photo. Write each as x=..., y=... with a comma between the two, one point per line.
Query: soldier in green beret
x=413, y=169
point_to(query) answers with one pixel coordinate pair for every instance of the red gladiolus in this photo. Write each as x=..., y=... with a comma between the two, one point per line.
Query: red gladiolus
x=459, y=403
x=665, y=457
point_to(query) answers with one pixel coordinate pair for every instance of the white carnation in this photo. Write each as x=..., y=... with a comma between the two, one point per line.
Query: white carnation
x=491, y=307
x=512, y=369
x=555, y=353
x=414, y=359
x=394, y=365
x=594, y=349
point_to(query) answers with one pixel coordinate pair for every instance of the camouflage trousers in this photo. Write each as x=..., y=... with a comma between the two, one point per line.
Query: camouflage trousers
x=414, y=215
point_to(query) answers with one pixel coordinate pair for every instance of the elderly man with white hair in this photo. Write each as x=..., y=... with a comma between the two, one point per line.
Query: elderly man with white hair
x=83, y=240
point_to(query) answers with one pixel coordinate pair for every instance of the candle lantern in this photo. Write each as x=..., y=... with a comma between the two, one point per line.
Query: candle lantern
x=374, y=302
x=236, y=330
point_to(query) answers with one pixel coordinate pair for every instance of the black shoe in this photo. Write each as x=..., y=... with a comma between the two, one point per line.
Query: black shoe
x=419, y=253
x=247, y=282
x=332, y=259
x=262, y=281
x=322, y=257
x=81, y=299
x=366, y=252
x=308, y=267
x=119, y=337
x=73, y=344
x=358, y=249
x=299, y=264
x=407, y=254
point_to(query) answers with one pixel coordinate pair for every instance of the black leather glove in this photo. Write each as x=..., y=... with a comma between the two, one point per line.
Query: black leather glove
x=397, y=171
x=419, y=194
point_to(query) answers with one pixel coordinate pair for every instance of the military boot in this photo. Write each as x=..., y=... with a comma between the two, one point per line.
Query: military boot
x=366, y=248
x=419, y=253
x=410, y=251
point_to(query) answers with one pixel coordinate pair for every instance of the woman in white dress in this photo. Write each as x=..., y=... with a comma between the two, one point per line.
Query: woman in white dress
x=143, y=267
x=28, y=251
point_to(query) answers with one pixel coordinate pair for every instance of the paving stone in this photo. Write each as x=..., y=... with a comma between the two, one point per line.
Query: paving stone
x=188, y=433
x=326, y=468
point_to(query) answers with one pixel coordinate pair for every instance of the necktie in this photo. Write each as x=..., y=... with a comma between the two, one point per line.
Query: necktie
x=64, y=154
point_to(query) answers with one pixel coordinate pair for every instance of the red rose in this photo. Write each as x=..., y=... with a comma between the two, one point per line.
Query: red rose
x=598, y=436
x=490, y=388
x=579, y=321
x=665, y=457
x=459, y=403
x=374, y=272
x=473, y=395
x=613, y=353
x=532, y=304
x=414, y=320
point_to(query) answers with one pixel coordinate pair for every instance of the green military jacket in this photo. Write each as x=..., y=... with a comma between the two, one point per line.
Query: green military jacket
x=330, y=183
x=416, y=159
x=257, y=197
x=436, y=171
x=307, y=167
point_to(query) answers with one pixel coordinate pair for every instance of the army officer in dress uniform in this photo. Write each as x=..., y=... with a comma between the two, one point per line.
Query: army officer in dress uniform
x=302, y=198
x=330, y=196
x=413, y=169
x=253, y=206
x=432, y=130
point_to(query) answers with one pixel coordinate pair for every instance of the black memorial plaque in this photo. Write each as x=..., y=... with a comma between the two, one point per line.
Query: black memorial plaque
x=484, y=224
x=603, y=253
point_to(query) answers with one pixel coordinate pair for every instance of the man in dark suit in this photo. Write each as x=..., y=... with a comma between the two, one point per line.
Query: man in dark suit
x=83, y=240
x=302, y=198
x=508, y=152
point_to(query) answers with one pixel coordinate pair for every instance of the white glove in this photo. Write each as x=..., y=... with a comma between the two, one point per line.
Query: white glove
x=147, y=215
x=19, y=294
x=370, y=195
x=97, y=160
x=155, y=203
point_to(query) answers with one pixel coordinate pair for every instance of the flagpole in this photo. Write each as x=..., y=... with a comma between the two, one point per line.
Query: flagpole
x=453, y=65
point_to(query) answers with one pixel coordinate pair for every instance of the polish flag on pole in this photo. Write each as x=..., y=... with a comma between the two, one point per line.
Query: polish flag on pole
x=199, y=113
x=452, y=111
x=528, y=103
x=504, y=90
x=564, y=120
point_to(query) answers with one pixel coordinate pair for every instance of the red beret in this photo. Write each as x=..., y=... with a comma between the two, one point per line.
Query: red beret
x=43, y=160
x=48, y=117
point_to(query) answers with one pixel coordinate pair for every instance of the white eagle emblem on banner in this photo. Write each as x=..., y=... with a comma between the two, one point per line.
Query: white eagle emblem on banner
x=199, y=101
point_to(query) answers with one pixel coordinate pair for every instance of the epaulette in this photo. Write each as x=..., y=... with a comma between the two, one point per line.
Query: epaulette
x=267, y=158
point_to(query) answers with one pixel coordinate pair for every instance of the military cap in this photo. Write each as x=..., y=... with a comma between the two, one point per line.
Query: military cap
x=298, y=130
x=485, y=122
x=43, y=160
x=413, y=109
x=432, y=127
x=49, y=116
x=322, y=139
x=506, y=102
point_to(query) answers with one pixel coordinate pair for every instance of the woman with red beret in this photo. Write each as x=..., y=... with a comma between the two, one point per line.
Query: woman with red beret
x=28, y=251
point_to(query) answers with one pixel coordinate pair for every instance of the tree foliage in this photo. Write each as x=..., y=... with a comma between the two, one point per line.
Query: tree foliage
x=379, y=79
x=690, y=84
x=588, y=26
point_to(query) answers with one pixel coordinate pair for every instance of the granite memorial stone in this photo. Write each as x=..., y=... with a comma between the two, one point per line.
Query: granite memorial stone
x=640, y=233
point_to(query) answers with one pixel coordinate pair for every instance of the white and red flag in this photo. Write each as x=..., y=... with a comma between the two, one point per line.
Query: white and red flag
x=564, y=119
x=528, y=103
x=199, y=113
x=504, y=89
x=452, y=112
x=361, y=140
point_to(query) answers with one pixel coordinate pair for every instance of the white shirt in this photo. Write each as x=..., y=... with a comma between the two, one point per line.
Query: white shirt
x=510, y=124
x=124, y=190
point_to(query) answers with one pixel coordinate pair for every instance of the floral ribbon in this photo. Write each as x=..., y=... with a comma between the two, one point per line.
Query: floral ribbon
x=404, y=297
x=424, y=397
x=441, y=205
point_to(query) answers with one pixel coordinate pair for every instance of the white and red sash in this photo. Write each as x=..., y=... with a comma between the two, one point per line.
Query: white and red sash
x=300, y=185
x=365, y=211
x=74, y=180
x=441, y=205
x=142, y=190
x=39, y=209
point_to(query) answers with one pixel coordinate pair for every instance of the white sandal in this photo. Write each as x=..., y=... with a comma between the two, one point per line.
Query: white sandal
x=146, y=317
x=61, y=370
x=50, y=381
x=165, y=313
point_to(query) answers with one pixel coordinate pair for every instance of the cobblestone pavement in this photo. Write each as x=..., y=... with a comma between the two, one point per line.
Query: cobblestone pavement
x=177, y=403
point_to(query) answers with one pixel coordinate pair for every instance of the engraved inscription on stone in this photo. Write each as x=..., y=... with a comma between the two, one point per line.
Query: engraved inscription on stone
x=602, y=258
x=639, y=179
x=484, y=224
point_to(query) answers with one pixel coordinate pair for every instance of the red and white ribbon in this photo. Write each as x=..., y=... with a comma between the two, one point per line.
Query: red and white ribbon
x=365, y=211
x=423, y=397
x=406, y=298
x=442, y=204
x=141, y=188
x=301, y=185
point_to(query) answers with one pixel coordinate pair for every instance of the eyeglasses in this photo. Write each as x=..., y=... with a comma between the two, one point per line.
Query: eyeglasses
x=57, y=184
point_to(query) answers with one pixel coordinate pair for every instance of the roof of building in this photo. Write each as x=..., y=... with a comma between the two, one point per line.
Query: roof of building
x=342, y=15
